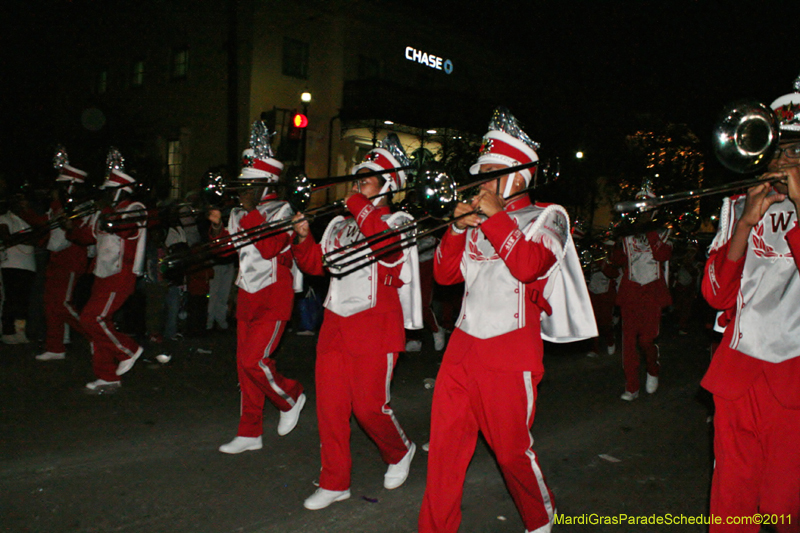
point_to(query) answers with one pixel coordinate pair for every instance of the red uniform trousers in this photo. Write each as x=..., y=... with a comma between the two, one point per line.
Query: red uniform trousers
x=109, y=346
x=62, y=274
x=353, y=381
x=757, y=468
x=603, y=306
x=640, y=327
x=756, y=439
x=474, y=394
x=257, y=338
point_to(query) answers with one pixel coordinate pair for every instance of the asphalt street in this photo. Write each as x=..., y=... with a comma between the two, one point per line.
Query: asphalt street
x=145, y=459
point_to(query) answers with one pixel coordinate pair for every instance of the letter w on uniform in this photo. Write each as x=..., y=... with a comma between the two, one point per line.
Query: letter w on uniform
x=778, y=220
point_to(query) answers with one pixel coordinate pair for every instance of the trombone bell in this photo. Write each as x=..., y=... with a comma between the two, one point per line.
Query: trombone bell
x=746, y=137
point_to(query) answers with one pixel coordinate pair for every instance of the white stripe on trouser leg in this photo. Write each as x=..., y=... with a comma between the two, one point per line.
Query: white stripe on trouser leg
x=388, y=410
x=68, y=297
x=531, y=399
x=268, y=373
x=101, y=320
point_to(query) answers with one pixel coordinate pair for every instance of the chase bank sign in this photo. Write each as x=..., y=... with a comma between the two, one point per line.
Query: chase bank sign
x=429, y=60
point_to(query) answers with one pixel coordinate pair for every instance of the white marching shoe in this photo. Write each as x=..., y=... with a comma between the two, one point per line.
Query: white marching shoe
x=241, y=444
x=651, y=385
x=127, y=364
x=289, y=418
x=414, y=346
x=629, y=396
x=396, y=474
x=323, y=498
x=101, y=386
x=51, y=356
x=438, y=339
x=611, y=349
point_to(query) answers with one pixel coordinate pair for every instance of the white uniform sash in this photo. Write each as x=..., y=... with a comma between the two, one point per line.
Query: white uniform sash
x=357, y=291
x=255, y=272
x=767, y=323
x=485, y=315
x=642, y=266
x=111, y=247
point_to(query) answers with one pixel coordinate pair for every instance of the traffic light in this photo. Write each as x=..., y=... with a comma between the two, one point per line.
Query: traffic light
x=299, y=123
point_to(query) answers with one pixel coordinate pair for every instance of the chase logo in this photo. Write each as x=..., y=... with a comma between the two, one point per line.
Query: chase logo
x=430, y=60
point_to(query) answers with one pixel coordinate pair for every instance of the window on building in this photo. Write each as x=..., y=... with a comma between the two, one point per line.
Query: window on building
x=175, y=166
x=369, y=68
x=101, y=85
x=137, y=74
x=180, y=63
x=295, y=58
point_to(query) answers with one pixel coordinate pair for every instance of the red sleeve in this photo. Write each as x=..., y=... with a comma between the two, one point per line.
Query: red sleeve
x=722, y=279
x=662, y=249
x=527, y=260
x=369, y=223
x=271, y=246
x=34, y=219
x=308, y=255
x=447, y=259
x=610, y=270
x=618, y=257
x=81, y=234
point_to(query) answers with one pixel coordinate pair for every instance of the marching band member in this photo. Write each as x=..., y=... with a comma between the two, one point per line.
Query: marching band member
x=752, y=275
x=362, y=330
x=642, y=294
x=18, y=265
x=602, y=285
x=264, y=301
x=119, y=261
x=68, y=261
x=519, y=265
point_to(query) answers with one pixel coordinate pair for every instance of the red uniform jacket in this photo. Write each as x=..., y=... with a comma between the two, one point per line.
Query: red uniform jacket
x=520, y=349
x=378, y=330
x=731, y=372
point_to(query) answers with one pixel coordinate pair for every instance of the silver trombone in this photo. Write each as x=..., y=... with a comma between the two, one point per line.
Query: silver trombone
x=437, y=196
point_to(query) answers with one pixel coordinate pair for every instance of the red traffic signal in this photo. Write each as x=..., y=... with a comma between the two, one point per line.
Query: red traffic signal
x=299, y=120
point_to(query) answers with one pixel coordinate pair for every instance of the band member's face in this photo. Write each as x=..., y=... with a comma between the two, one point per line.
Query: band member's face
x=499, y=185
x=787, y=156
x=369, y=186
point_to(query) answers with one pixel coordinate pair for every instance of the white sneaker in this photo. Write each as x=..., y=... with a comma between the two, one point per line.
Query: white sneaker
x=396, y=474
x=629, y=396
x=127, y=364
x=651, y=385
x=612, y=349
x=242, y=444
x=101, y=385
x=438, y=340
x=592, y=354
x=426, y=447
x=323, y=498
x=414, y=346
x=289, y=418
x=16, y=338
x=50, y=356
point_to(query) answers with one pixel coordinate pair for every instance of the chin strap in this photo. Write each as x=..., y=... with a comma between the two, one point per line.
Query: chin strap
x=509, y=185
x=386, y=186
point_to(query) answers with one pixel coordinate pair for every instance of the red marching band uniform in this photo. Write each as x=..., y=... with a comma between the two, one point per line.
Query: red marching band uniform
x=642, y=294
x=68, y=261
x=754, y=374
x=264, y=306
x=363, y=331
x=520, y=268
x=119, y=261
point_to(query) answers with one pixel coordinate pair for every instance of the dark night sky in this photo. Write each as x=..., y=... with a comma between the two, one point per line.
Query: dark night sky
x=597, y=66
